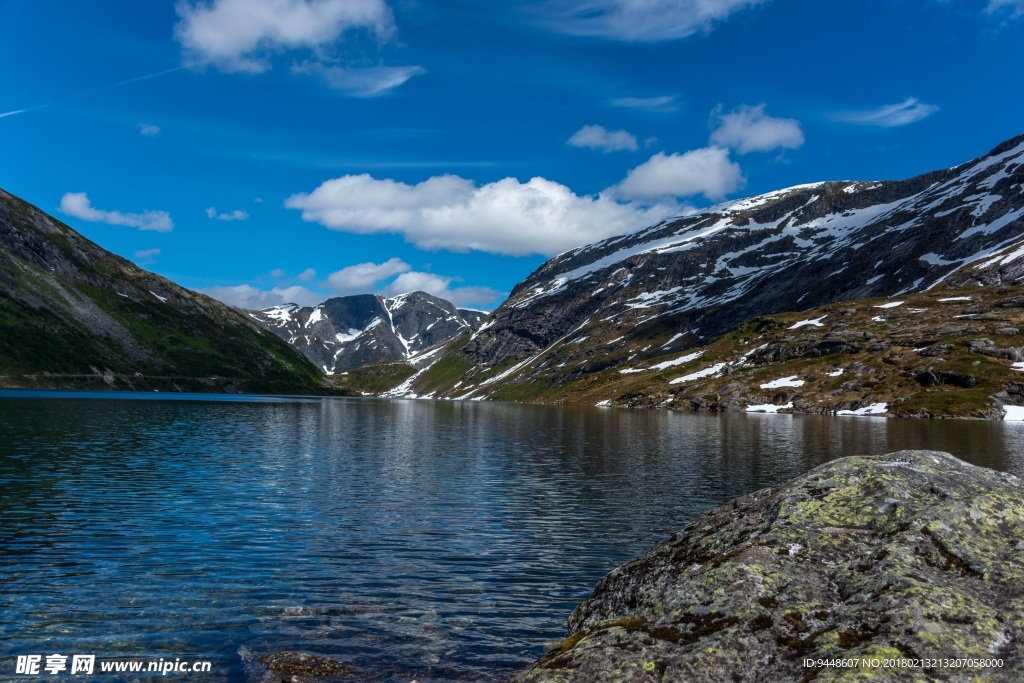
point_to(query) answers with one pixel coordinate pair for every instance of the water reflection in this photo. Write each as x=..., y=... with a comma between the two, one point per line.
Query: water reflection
x=431, y=540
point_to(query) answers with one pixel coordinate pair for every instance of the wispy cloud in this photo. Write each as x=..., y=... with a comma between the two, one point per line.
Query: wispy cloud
x=749, y=129
x=640, y=20
x=372, y=81
x=240, y=35
x=662, y=104
x=12, y=113
x=146, y=257
x=236, y=215
x=77, y=204
x=1014, y=7
x=249, y=297
x=148, y=129
x=599, y=137
x=911, y=110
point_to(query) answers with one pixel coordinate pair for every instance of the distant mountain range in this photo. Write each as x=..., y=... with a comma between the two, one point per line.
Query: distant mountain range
x=912, y=295
x=345, y=333
x=73, y=315
x=655, y=296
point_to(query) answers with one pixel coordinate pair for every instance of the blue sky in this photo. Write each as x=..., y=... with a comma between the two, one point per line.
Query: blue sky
x=266, y=151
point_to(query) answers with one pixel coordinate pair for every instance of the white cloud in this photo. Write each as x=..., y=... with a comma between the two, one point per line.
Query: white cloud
x=440, y=286
x=371, y=81
x=708, y=171
x=149, y=129
x=449, y=212
x=236, y=215
x=277, y=273
x=660, y=105
x=239, y=35
x=749, y=129
x=13, y=112
x=598, y=137
x=77, y=204
x=146, y=256
x=247, y=296
x=306, y=275
x=1015, y=7
x=363, y=277
x=641, y=20
x=909, y=111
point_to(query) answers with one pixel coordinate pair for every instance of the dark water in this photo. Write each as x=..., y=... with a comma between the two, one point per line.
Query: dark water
x=431, y=540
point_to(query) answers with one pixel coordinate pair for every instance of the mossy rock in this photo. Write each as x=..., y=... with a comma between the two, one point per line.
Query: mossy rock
x=911, y=555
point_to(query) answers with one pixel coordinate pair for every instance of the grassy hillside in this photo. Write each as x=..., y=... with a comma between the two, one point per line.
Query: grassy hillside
x=73, y=315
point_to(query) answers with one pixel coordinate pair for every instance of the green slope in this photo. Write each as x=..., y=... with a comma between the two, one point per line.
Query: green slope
x=73, y=315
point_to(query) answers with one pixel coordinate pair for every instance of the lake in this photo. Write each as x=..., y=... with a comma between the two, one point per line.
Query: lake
x=436, y=541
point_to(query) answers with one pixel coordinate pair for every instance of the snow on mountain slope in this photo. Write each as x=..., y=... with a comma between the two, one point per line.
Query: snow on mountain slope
x=349, y=332
x=689, y=279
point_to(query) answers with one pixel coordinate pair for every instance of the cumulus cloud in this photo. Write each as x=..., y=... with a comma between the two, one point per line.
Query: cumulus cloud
x=449, y=212
x=77, y=204
x=598, y=137
x=706, y=171
x=749, y=129
x=236, y=215
x=306, y=275
x=911, y=110
x=148, y=129
x=363, y=277
x=660, y=105
x=249, y=297
x=277, y=273
x=372, y=81
x=440, y=286
x=640, y=20
x=1014, y=7
x=240, y=35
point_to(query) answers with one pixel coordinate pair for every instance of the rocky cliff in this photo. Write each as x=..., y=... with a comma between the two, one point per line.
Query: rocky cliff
x=912, y=558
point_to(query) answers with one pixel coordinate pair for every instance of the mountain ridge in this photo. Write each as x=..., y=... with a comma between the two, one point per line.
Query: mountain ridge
x=346, y=333
x=686, y=281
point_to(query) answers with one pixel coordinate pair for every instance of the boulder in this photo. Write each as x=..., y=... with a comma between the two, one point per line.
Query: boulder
x=907, y=556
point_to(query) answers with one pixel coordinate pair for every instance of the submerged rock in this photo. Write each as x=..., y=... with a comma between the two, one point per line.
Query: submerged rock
x=299, y=665
x=911, y=555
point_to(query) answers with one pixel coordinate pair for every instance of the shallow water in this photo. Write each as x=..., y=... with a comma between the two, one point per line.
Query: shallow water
x=437, y=541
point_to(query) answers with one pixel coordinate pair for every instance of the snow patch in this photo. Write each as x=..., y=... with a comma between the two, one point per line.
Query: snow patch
x=873, y=409
x=891, y=304
x=706, y=372
x=768, y=408
x=791, y=381
x=803, y=323
x=1013, y=413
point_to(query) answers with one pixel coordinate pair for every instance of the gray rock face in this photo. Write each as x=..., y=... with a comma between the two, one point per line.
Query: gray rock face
x=790, y=250
x=352, y=331
x=908, y=556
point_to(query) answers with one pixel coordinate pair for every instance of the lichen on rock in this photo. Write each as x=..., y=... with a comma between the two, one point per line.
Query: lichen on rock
x=911, y=555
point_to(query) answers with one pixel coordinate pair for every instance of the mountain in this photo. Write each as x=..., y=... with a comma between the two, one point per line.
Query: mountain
x=345, y=333
x=644, y=298
x=73, y=315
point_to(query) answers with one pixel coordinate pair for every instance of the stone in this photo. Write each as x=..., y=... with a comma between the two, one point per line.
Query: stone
x=908, y=555
x=301, y=664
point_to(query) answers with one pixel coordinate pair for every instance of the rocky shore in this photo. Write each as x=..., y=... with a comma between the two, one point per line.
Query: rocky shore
x=910, y=559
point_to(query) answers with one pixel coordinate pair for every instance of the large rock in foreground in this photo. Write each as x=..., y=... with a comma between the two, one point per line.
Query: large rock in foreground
x=911, y=555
